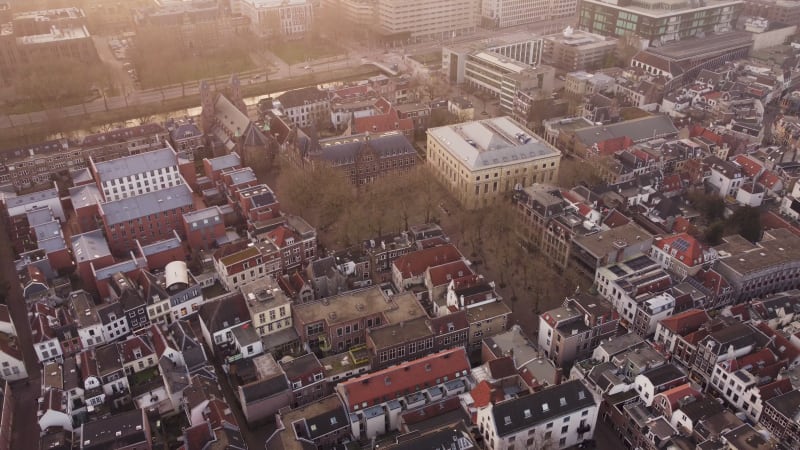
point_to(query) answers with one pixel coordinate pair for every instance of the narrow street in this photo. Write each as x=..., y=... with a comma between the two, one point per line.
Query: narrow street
x=26, y=393
x=256, y=438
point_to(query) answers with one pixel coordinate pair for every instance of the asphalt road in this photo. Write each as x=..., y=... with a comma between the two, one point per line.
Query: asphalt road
x=280, y=70
x=25, y=393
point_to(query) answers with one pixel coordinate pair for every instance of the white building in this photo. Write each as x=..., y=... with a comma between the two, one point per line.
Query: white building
x=20, y=204
x=294, y=17
x=556, y=417
x=137, y=174
x=510, y=13
x=418, y=20
x=270, y=309
x=12, y=366
x=726, y=177
x=90, y=327
x=115, y=322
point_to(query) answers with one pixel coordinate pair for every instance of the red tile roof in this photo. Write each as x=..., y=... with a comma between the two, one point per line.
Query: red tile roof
x=682, y=247
x=772, y=221
x=769, y=179
x=405, y=378
x=613, y=145
x=615, y=219
x=482, y=394
x=753, y=360
x=502, y=367
x=784, y=348
x=160, y=343
x=128, y=346
x=672, y=183
x=680, y=392
x=681, y=225
x=281, y=235
x=441, y=325
x=444, y=273
x=415, y=263
x=382, y=123
x=700, y=131
x=686, y=322
x=750, y=166
x=775, y=388
x=218, y=412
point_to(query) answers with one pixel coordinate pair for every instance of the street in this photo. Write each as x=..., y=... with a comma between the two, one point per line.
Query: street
x=131, y=96
x=25, y=393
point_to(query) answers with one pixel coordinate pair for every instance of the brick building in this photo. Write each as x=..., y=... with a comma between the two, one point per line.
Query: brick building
x=339, y=323
x=364, y=157
x=148, y=217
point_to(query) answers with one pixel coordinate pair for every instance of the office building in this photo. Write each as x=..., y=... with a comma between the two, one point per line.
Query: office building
x=511, y=13
x=657, y=22
x=573, y=50
x=419, y=20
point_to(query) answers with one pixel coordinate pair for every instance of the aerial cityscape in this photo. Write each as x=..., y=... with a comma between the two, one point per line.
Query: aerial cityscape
x=399, y=224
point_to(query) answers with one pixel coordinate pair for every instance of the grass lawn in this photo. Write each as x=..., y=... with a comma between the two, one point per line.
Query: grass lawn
x=293, y=52
x=194, y=67
x=428, y=58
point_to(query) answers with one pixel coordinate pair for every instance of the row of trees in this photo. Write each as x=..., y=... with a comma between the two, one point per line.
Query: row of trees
x=745, y=220
x=324, y=196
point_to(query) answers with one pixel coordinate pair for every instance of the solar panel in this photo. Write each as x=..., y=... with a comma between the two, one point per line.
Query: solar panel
x=681, y=245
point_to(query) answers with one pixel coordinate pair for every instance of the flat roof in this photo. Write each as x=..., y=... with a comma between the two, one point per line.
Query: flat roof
x=354, y=304
x=492, y=142
x=666, y=8
x=135, y=164
x=696, y=47
x=395, y=333
x=602, y=243
x=146, y=204
x=487, y=311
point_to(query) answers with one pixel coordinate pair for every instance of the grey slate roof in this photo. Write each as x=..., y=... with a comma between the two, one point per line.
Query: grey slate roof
x=225, y=161
x=522, y=413
x=141, y=163
x=89, y=246
x=663, y=374
x=303, y=96
x=264, y=388
x=117, y=431
x=347, y=149
x=161, y=246
x=230, y=116
x=142, y=205
x=122, y=135
x=639, y=130
x=491, y=142
x=85, y=195
x=22, y=200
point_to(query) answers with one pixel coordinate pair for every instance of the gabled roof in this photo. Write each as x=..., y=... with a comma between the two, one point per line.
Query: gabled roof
x=682, y=247
x=224, y=313
x=404, y=378
x=444, y=273
x=686, y=322
x=678, y=393
x=515, y=415
x=129, y=346
x=415, y=263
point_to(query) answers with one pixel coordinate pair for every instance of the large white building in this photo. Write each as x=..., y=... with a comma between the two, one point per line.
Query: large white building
x=294, y=17
x=557, y=417
x=137, y=174
x=501, y=69
x=419, y=20
x=483, y=160
x=510, y=13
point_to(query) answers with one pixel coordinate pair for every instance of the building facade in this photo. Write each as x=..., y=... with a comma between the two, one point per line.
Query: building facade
x=483, y=160
x=655, y=21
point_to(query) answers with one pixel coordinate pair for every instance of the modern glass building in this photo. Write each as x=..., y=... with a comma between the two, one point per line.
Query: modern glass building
x=658, y=21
